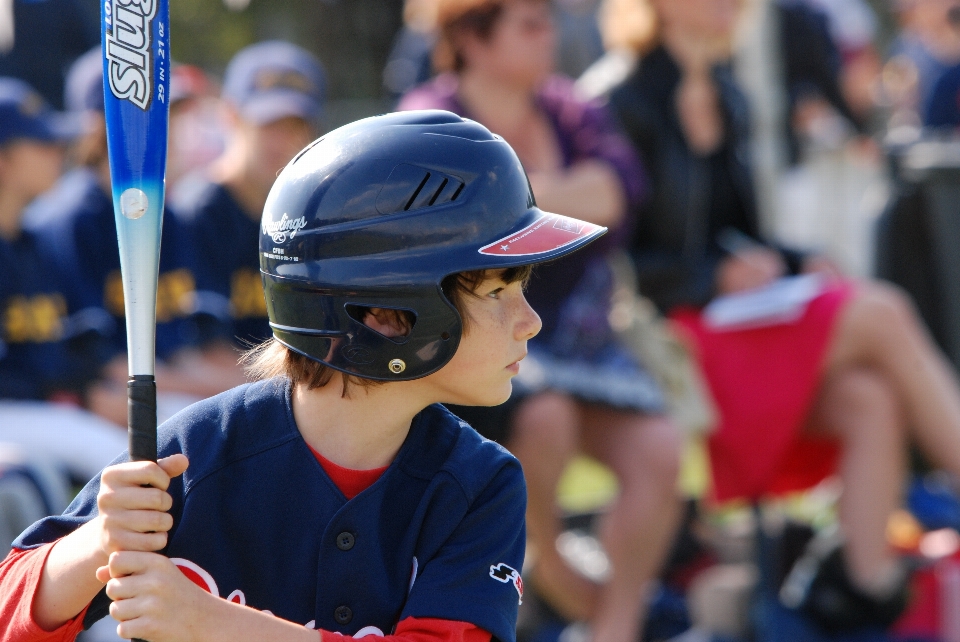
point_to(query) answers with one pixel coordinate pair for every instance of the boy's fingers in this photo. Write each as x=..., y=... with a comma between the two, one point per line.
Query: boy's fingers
x=123, y=563
x=147, y=521
x=135, y=629
x=138, y=542
x=135, y=498
x=136, y=473
x=174, y=465
x=124, y=609
x=131, y=586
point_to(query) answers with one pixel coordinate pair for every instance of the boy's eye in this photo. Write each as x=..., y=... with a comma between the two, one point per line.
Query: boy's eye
x=495, y=294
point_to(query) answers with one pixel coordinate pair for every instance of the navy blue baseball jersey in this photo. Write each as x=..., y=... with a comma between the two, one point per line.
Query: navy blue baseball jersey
x=42, y=349
x=257, y=520
x=227, y=263
x=81, y=233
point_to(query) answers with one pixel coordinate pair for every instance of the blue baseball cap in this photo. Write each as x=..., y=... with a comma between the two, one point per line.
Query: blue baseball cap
x=25, y=114
x=275, y=79
x=84, y=87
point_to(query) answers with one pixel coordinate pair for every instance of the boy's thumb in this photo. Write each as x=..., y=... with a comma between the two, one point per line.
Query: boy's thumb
x=174, y=465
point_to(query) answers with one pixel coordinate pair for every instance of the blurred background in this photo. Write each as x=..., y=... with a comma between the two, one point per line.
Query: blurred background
x=851, y=133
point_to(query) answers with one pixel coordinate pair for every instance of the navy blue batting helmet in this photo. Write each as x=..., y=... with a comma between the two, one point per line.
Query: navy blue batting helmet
x=376, y=214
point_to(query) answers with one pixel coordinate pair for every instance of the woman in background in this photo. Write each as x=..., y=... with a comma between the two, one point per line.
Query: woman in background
x=839, y=389
x=583, y=392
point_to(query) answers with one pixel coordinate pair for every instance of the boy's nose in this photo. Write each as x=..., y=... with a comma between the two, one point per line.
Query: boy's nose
x=529, y=325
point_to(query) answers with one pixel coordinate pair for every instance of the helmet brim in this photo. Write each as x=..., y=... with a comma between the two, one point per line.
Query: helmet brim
x=546, y=237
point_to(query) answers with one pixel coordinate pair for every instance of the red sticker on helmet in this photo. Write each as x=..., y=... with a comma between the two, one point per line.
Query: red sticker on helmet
x=546, y=234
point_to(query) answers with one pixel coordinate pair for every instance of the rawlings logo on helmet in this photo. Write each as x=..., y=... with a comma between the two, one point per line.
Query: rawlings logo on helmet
x=279, y=230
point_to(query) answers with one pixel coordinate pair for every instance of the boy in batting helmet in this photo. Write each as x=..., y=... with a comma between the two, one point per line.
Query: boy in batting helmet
x=335, y=492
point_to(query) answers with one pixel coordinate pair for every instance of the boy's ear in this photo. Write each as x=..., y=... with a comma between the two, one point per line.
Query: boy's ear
x=389, y=323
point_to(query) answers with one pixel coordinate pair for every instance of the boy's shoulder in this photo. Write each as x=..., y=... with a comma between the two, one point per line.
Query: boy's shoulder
x=239, y=423
x=257, y=417
x=442, y=443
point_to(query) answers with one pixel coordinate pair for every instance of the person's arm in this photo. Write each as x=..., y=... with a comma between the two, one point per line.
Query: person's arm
x=19, y=576
x=153, y=600
x=605, y=179
x=589, y=190
x=132, y=504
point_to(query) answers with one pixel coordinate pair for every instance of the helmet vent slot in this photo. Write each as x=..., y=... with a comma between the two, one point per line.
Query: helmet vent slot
x=437, y=193
x=411, y=188
x=417, y=192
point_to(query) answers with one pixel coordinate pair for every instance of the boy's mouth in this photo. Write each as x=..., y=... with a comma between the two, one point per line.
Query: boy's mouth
x=515, y=366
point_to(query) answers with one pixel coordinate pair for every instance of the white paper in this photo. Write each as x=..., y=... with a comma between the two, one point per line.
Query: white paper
x=783, y=301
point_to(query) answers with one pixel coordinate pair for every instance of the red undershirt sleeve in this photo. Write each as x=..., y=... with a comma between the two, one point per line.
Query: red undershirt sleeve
x=414, y=629
x=20, y=575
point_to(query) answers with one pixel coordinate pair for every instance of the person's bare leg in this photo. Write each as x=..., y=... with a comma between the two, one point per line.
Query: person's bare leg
x=545, y=436
x=637, y=531
x=859, y=407
x=879, y=329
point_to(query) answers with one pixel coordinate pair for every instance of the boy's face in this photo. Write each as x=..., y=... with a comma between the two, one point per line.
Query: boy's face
x=31, y=166
x=521, y=48
x=501, y=322
x=273, y=144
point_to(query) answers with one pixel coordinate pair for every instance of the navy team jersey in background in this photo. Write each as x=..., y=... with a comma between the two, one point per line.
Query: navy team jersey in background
x=76, y=222
x=43, y=350
x=257, y=520
x=226, y=242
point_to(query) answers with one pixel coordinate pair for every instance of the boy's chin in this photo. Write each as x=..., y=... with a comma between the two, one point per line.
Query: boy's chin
x=487, y=398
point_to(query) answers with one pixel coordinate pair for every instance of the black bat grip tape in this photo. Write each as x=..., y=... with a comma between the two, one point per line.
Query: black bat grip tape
x=142, y=417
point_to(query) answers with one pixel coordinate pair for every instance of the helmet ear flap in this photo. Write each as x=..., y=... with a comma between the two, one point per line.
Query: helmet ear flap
x=348, y=343
x=395, y=324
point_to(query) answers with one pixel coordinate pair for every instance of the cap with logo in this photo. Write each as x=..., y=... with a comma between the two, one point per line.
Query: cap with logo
x=24, y=114
x=84, y=86
x=273, y=80
x=188, y=81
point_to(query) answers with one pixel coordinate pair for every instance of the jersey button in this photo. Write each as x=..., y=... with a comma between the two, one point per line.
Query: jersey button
x=343, y=615
x=345, y=541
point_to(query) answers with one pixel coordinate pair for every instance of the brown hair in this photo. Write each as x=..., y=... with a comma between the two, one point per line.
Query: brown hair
x=273, y=359
x=458, y=17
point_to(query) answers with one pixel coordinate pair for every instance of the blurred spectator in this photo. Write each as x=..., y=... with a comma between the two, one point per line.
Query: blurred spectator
x=36, y=360
x=197, y=133
x=45, y=353
x=927, y=44
x=76, y=224
x=578, y=389
x=853, y=28
x=273, y=94
x=834, y=376
x=579, y=43
x=943, y=109
x=813, y=72
x=810, y=73
x=40, y=39
x=409, y=62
